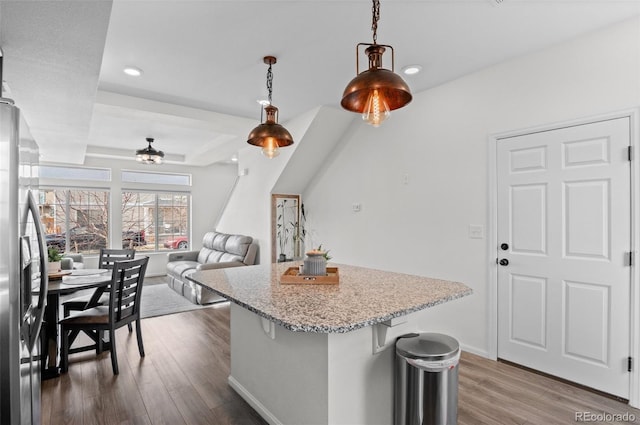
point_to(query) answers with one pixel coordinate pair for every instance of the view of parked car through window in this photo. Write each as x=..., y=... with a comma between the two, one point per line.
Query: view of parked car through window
x=77, y=220
x=164, y=217
x=180, y=242
x=85, y=239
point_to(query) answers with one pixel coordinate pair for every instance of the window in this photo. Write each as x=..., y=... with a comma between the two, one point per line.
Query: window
x=74, y=173
x=156, y=178
x=156, y=220
x=75, y=220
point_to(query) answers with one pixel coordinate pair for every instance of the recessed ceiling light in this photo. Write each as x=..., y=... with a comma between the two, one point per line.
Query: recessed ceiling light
x=234, y=158
x=133, y=71
x=411, y=69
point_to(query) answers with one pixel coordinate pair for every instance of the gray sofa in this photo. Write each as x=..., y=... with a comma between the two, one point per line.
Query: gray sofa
x=219, y=250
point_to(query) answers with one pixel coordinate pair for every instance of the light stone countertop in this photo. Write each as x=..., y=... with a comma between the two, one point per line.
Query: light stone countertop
x=363, y=297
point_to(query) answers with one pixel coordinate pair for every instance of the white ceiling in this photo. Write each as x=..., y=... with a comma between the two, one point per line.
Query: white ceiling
x=203, y=70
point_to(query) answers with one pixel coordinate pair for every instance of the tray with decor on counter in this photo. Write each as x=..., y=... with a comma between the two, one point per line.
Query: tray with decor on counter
x=292, y=277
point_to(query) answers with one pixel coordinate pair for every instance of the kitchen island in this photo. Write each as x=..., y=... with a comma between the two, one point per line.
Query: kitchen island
x=321, y=354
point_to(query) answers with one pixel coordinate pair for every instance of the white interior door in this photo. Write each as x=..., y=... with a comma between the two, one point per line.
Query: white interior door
x=564, y=228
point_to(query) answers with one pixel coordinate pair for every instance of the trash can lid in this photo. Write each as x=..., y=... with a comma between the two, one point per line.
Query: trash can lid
x=429, y=346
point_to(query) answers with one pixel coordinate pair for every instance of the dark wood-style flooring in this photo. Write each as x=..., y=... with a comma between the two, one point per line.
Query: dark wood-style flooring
x=183, y=380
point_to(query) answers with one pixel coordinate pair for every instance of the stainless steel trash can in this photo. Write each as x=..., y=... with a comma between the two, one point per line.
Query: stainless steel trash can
x=426, y=379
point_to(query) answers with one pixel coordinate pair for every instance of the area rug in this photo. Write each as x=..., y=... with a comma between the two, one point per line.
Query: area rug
x=158, y=299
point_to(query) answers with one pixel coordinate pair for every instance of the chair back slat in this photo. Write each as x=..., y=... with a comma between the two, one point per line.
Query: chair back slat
x=126, y=290
x=128, y=274
x=109, y=256
x=126, y=312
x=128, y=295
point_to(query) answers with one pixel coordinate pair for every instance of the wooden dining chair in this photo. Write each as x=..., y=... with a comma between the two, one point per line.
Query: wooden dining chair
x=108, y=257
x=106, y=260
x=123, y=308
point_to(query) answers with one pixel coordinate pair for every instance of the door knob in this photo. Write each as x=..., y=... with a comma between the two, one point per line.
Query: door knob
x=504, y=246
x=504, y=262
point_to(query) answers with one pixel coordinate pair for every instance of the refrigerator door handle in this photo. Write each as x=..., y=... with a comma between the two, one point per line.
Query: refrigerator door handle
x=38, y=311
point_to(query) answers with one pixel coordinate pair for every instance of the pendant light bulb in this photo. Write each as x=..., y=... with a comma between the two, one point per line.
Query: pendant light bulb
x=270, y=148
x=376, y=109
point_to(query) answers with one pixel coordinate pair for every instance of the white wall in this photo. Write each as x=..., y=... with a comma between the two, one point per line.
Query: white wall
x=440, y=142
x=249, y=209
x=210, y=188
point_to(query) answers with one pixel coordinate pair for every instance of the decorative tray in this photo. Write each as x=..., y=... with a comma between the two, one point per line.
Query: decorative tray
x=58, y=275
x=293, y=277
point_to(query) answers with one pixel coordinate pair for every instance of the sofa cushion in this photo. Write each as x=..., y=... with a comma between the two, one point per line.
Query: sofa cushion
x=215, y=241
x=214, y=257
x=187, y=273
x=238, y=245
x=227, y=257
x=207, y=239
x=203, y=255
x=178, y=268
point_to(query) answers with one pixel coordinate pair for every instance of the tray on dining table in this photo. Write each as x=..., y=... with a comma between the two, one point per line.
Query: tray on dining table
x=58, y=274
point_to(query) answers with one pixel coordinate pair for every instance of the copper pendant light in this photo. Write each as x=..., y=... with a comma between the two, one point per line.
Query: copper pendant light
x=149, y=155
x=376, y=91
x=270, y=135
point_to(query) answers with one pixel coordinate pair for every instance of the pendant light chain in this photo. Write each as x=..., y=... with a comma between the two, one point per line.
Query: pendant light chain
x=375, y=17
x=269, y=82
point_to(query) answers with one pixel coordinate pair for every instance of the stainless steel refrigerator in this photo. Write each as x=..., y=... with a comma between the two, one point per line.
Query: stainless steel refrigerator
x=23, y=288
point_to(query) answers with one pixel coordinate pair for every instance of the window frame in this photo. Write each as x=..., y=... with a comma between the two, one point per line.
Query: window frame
x=67, y=218
x=44, y=167
x=123, y=171
x=156, y=227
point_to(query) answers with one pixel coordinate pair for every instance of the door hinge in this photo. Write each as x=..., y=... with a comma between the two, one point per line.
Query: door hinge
x=630, y=152
x=631, y=258
x=629, y=364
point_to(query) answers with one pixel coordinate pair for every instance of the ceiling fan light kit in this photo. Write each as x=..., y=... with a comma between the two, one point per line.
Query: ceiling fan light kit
x=149, y=155
x=376, y=92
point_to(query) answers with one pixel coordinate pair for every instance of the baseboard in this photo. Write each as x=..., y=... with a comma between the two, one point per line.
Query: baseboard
x=253, y=402
x=272, y=420
x=476, y=351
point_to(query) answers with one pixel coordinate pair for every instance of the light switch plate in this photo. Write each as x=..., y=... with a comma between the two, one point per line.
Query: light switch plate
x=476, y=231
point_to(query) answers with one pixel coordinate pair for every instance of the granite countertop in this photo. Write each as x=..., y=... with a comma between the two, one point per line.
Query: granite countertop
x=363, y=297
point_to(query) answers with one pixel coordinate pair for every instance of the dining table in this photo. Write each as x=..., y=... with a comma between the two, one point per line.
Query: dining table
x=64, y=283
